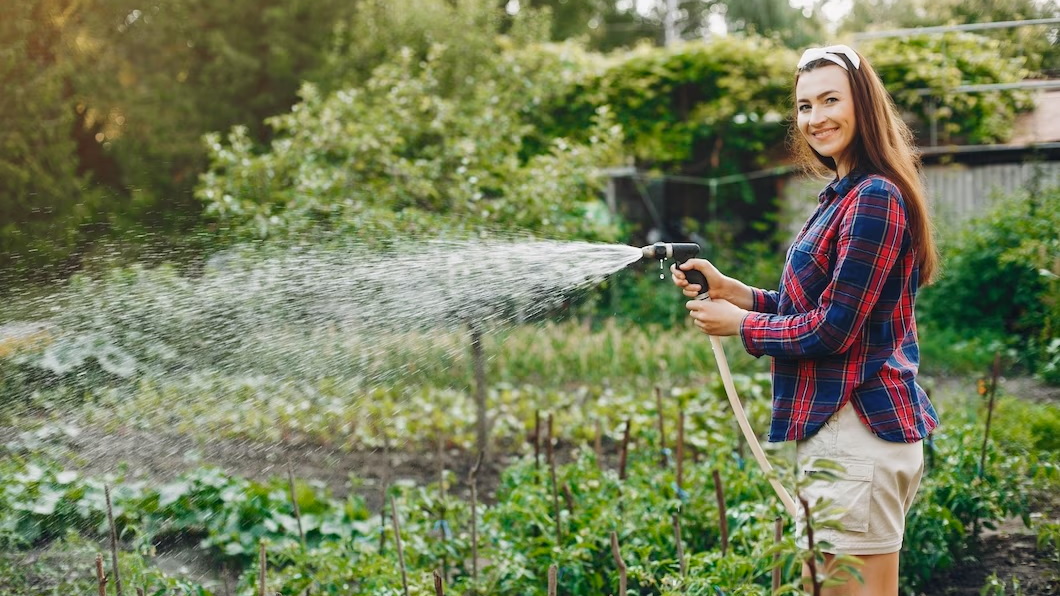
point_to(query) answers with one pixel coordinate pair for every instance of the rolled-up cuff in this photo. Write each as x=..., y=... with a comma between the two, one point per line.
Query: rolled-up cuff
x=748, y=335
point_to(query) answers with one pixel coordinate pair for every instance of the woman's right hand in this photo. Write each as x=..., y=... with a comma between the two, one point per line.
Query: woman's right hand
x=720, y=286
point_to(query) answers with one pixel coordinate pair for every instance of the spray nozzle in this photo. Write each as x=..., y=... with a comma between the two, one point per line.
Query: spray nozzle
x=679, y=252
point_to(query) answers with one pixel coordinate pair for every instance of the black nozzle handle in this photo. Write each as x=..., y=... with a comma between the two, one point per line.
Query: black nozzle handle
x=695, y=277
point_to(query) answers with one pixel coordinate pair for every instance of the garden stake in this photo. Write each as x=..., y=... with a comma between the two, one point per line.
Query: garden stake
x=261, y=568
x=294, y=503
x=100, y=576
x=619, y=562
x=113, y=541
x=995, y=373
x=680, y=448
x=555, y=488
x=680, y=546
x=598, y=446
x=569, y=497
x=623, y=452
x=778, y=534
x=553, y=573
x=662, y=430
x=473, y=481
x=439, y=587
x=400, y=552
x=537, y=440
x=479, y=362
x=681, y=252
x=442, y=524
x=723, y=521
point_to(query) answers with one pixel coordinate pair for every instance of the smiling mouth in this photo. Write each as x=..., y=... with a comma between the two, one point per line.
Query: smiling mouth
x=823, y=134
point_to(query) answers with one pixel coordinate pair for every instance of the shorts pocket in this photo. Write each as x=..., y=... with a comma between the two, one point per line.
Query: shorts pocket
x=840, y=491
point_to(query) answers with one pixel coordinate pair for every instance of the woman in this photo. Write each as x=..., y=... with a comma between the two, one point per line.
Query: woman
x=841, y=329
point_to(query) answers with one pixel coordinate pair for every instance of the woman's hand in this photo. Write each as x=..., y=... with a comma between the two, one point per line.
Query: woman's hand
x=716, y=317
x=722, y=287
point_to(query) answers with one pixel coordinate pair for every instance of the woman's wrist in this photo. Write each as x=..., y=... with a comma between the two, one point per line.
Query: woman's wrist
x=740, y=294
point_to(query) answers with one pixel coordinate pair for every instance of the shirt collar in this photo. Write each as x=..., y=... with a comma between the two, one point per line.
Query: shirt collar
x=841, y=186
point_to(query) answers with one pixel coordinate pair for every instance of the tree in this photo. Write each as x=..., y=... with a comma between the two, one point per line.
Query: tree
x=1039, y=45
x=43, y=201
x=408, y=152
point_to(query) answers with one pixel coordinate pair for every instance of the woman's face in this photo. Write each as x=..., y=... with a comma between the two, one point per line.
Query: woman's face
x=825, y=110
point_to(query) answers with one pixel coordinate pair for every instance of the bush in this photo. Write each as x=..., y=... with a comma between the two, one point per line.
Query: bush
x=1000, y=279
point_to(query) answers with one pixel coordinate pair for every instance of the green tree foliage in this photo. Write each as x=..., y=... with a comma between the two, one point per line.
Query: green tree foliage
x=941, y=63
x=167, y=73
x=705, y=108
x=379, y=31
x=795, y=28
x=42, y=204
x=1039, y=45
x=108, y=101
x=406, y=152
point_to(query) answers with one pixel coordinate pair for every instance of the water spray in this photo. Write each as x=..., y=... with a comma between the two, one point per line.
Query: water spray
x=681, y=252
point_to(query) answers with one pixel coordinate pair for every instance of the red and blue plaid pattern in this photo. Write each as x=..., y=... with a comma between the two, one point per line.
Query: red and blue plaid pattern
x=841, y=326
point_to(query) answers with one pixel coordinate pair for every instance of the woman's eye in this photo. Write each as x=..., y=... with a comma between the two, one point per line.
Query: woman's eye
x=831, y=100
x=804, y=108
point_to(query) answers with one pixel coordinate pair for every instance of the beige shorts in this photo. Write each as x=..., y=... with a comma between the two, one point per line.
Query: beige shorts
x=870, y=499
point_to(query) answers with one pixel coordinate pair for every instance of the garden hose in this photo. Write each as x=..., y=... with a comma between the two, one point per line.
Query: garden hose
x=681, y=252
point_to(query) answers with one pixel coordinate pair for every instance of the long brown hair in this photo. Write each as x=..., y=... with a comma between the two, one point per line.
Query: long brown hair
x=883, y=145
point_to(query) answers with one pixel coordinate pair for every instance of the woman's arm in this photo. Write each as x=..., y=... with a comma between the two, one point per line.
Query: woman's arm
x=723, y=287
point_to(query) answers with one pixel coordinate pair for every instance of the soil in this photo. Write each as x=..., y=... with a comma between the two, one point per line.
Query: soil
x=1011, y=552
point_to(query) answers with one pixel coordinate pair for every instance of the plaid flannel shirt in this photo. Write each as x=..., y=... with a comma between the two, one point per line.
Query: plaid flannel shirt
x=841, y=326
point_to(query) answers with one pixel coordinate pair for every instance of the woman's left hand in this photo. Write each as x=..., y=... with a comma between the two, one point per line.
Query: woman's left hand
x=716, y=317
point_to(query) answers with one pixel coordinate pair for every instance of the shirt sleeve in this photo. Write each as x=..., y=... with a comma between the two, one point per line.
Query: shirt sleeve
x=764, y=300
x=868, y=244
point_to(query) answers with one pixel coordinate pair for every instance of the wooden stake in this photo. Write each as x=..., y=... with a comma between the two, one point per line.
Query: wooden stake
x=101, y=577
x=680, y=448
x=662, y=428
x=478, y=359
x=569, y=497
x=598, y=447
x=555, y=486
x=553, y=579
x=622, y=570
x=778, y=535
x=473, y=481
x=623, y=453
x=441, y=499
x=680, y=544
x=400, y=551
x=113, y=542
x=537, y=439
x=723, y=521
x=439, y=585
x=294, y=503
x=261, y=568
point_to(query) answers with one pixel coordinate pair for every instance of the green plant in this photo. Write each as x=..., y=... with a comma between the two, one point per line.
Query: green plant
x=998, y=279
